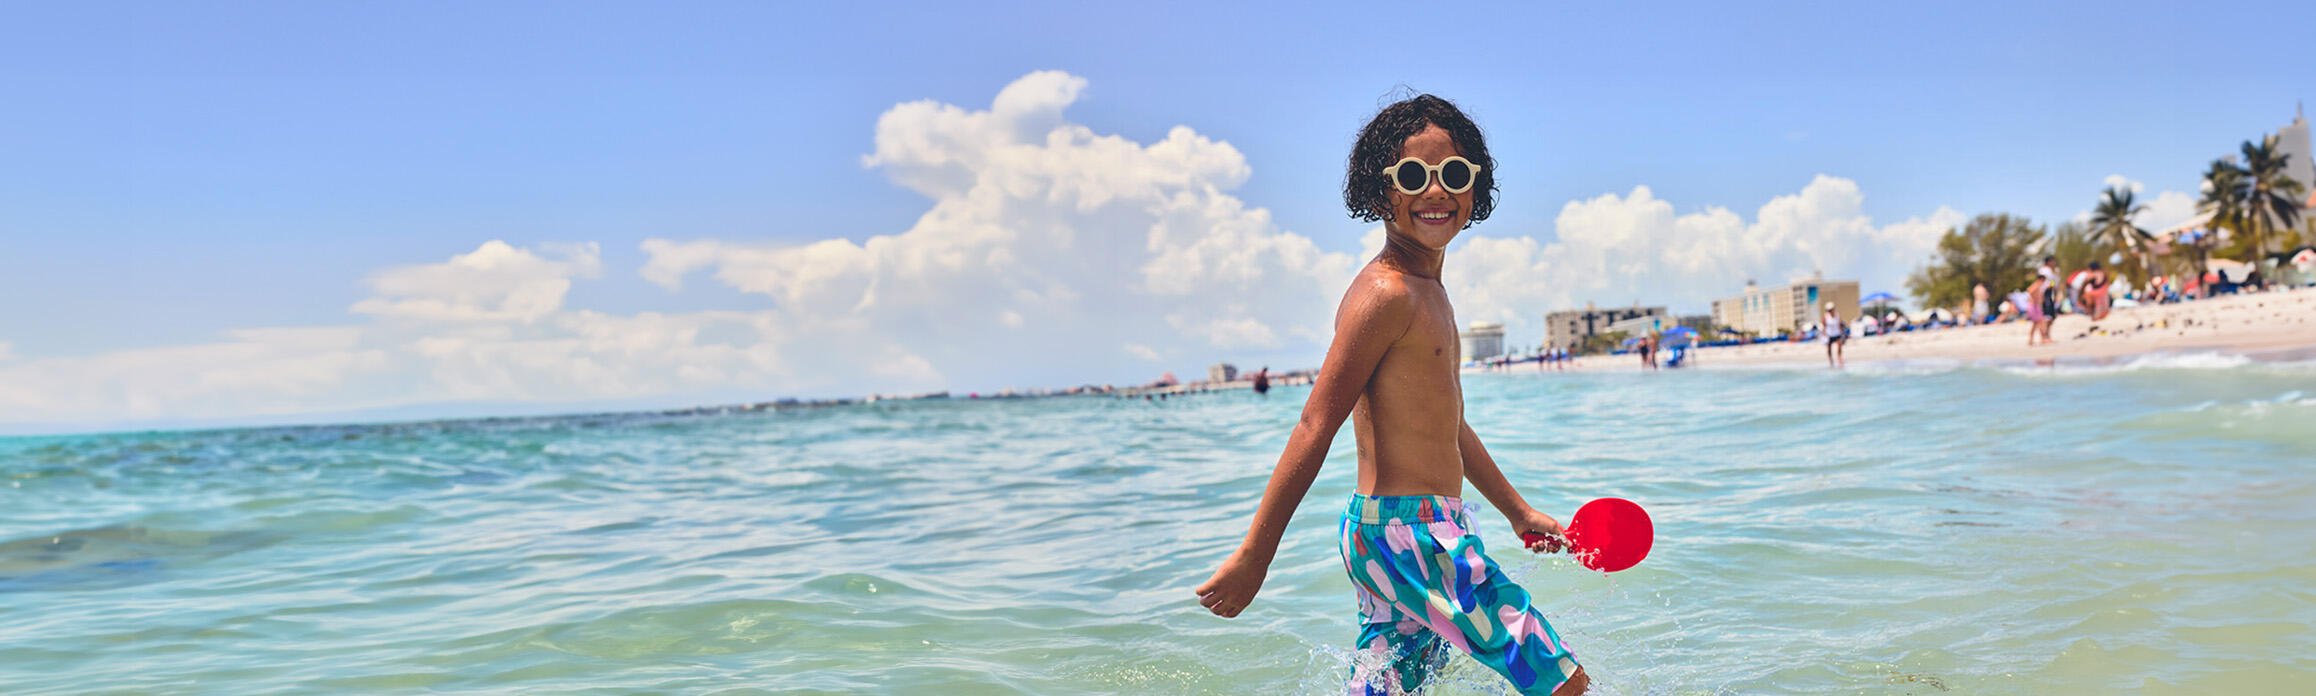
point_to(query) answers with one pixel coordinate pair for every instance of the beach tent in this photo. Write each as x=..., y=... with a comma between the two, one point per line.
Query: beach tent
x=2297, y=267
x=2230, y=271
x=1877, y=299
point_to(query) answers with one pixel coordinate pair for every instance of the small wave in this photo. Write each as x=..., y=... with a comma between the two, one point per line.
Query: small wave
x=2202, y=360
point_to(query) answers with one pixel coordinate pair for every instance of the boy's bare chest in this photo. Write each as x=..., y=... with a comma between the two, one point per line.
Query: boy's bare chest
x=1431, y=338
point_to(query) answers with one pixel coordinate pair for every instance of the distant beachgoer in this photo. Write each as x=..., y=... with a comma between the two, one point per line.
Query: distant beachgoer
x=1978, y=297
x=2073, y=290
x=1422, y=577
x=2094, y=295
x=2045, y=292
x=1836, y=334
x=1262, y=380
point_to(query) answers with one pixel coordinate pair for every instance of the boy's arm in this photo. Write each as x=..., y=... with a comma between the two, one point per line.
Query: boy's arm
x=1480, y=469
x=1374, y=315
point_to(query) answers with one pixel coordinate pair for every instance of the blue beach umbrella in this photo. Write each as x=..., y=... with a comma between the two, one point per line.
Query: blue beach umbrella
x=1878, y=298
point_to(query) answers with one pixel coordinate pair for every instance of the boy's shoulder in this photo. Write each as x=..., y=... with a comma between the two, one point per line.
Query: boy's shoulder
x=1379, y=295
x=1379, y=283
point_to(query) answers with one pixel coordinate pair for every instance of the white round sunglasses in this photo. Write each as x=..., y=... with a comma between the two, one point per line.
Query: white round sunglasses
x=1411, y=176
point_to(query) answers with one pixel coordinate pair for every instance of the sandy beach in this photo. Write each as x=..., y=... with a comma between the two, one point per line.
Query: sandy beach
x=2252, y=323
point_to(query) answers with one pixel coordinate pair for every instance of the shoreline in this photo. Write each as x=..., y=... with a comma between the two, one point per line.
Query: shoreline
x=2268, y=326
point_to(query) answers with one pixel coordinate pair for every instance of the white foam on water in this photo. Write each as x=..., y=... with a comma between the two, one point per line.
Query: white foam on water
x=2150, y=362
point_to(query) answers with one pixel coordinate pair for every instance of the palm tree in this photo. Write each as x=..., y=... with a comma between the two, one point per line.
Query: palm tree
x=2076, y=245
x=2112, y=221
x=2270, y=200
x=2223, y=199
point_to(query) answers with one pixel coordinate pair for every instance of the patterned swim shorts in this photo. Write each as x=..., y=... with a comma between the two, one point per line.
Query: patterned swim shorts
x=1424, y=579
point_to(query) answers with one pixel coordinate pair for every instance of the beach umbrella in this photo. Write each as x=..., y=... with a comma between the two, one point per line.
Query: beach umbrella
x=2305, y=257
x=1878, y=298
x=1680, y=331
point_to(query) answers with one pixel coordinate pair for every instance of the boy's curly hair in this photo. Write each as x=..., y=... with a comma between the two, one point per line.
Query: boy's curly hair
x=1365, y=191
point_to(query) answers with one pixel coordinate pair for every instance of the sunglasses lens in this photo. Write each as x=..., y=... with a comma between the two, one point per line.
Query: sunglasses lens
x=1410, y=176
x=1455, y=176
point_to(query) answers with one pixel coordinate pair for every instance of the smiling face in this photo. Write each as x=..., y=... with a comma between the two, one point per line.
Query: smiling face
x=1431, y=218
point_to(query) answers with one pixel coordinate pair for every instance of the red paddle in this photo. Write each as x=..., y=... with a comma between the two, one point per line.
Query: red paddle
x=1607, y=535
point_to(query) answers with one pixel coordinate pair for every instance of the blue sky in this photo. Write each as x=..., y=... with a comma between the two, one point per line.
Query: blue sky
x=175, y=171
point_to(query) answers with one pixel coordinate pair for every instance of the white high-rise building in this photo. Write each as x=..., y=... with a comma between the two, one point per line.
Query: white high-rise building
x=1484, y=340
x=2293, y=140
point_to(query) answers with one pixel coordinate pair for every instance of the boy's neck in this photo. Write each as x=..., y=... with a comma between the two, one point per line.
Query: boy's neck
x=1406, y=256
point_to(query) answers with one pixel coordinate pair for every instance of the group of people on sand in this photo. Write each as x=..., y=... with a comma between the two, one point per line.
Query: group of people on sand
x=2090, y=291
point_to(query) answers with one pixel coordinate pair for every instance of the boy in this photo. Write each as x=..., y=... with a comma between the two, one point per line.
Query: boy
x=1421, y=575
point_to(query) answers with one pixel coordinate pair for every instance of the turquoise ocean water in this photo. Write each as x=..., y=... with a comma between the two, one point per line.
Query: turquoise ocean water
x=1890, y=530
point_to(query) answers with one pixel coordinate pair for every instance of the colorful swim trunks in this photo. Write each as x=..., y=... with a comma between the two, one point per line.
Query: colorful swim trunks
x=1423, y=579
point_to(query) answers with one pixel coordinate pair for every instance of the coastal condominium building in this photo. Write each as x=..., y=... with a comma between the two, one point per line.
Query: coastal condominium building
x=1641, y=325
x=1567, y=329
x=1221, y=372
x=1485, y=339
x=1784, y=308
x=2292, y=139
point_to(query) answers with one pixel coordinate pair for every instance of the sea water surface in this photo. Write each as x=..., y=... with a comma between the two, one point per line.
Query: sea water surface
x=1911, y=530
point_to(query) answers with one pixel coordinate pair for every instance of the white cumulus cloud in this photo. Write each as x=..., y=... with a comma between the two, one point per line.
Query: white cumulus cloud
x=1049, y=254
x=494, y=282
x=1077, y=240
x=1616, y=250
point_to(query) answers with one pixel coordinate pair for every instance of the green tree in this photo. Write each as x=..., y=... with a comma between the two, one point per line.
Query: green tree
x=1997, y=249
x=2270, y=200
x=2111, y=222
x=2223, y=198
x=2076, y=246
x=1601, y=343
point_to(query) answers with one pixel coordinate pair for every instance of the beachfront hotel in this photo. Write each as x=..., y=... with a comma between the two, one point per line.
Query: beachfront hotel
x=2292, y=141
x=1789, y=307
x=1485, y=339
x=1567, y=329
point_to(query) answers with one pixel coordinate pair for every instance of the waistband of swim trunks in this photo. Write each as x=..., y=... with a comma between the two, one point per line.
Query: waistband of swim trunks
x=1404, y=509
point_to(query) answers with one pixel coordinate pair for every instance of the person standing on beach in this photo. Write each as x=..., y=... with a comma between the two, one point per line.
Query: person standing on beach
x=1836, y=335
x=1423, y=579
x=1978, y=308
x=2044, y=292
x=2092, y=294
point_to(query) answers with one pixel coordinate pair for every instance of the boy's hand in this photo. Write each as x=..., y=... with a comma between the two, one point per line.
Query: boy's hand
x=1535, y=522
x=1233, y=586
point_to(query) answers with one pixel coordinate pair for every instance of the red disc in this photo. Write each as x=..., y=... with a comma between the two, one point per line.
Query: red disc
x=1610, y=534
